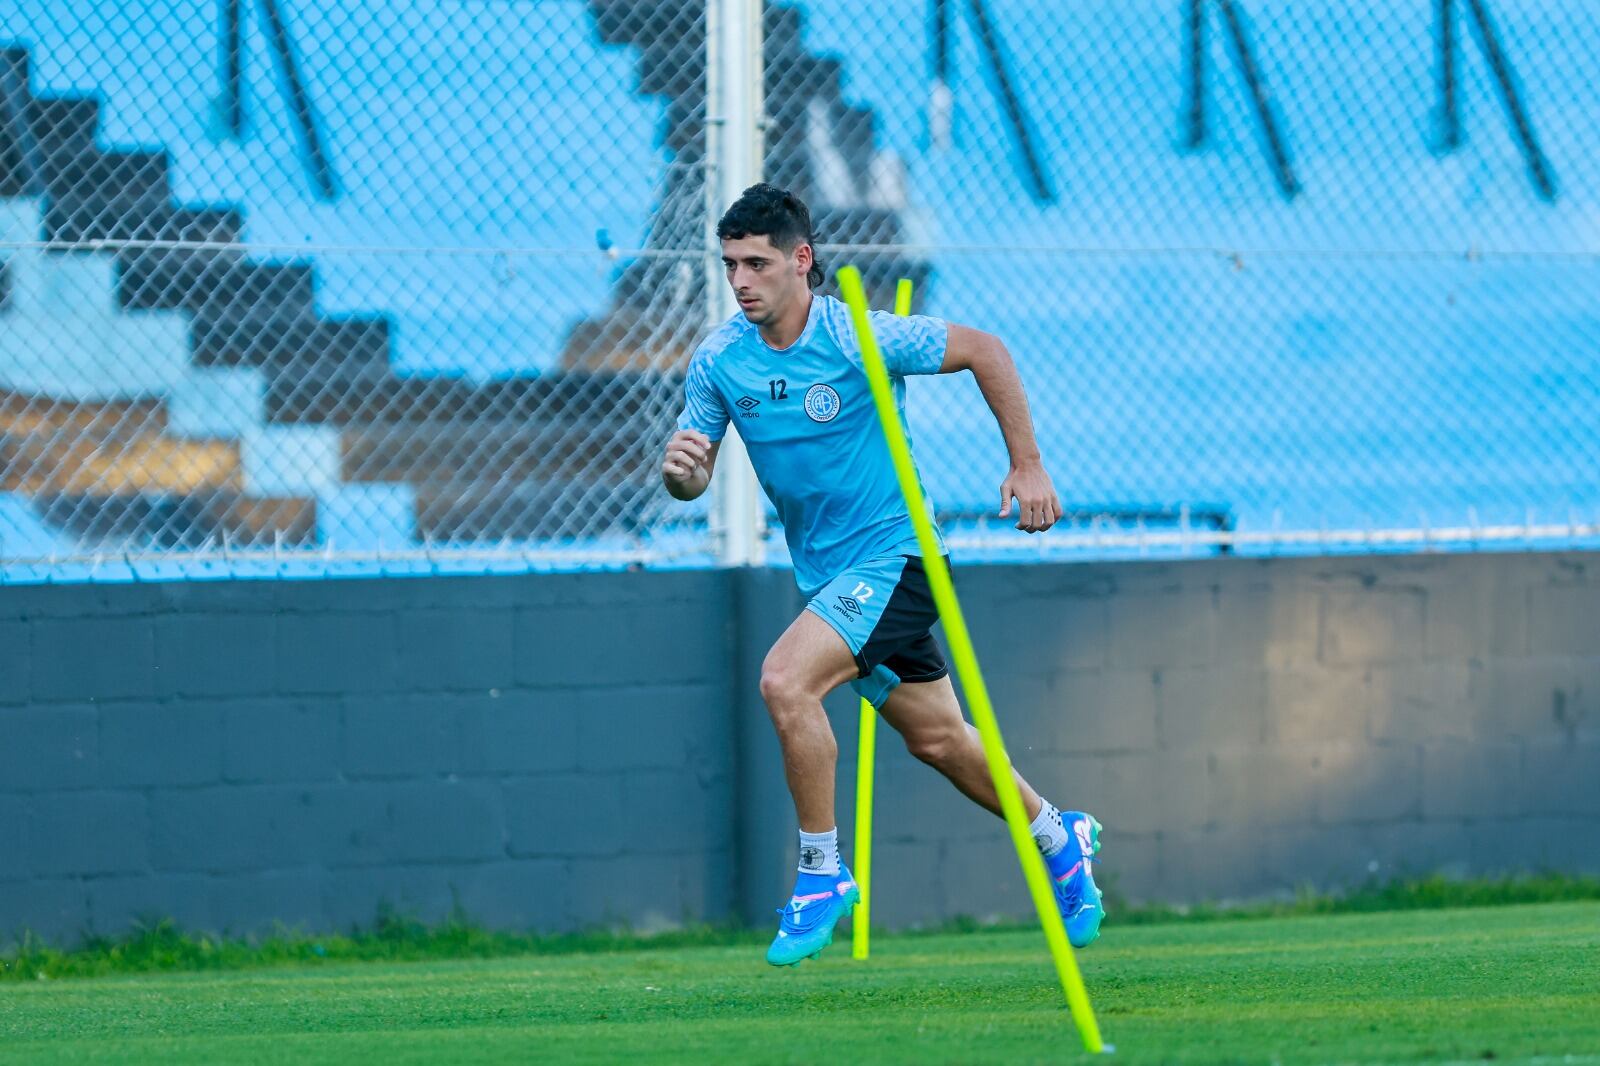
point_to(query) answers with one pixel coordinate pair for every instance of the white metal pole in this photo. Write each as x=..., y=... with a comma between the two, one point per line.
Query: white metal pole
x=734, y=148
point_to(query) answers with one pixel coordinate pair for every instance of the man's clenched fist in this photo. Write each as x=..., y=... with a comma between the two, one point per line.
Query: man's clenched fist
x=686, y=466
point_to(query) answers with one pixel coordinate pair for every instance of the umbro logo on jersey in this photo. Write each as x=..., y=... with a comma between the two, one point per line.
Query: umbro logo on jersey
x=747, y=406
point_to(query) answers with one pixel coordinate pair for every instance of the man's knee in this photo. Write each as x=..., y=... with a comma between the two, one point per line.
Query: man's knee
x=935, y=745
x=783, y=687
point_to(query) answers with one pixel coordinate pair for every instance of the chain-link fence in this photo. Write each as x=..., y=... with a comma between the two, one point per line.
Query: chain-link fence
x=292, y=285
x=1277, y=275
x=297, y=289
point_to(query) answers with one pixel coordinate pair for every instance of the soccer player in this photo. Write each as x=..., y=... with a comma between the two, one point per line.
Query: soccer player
x=787, y=367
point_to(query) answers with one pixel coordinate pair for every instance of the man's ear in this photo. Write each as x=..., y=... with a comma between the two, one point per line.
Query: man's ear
x=804, y=256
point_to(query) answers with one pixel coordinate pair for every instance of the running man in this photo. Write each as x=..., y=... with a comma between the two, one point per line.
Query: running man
x=787, y=366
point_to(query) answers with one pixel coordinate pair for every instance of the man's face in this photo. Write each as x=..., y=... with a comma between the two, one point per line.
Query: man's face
x=765, y=280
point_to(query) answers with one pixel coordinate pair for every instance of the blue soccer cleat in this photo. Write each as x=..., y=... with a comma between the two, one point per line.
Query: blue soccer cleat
x=808, y=921
x=1077, y=896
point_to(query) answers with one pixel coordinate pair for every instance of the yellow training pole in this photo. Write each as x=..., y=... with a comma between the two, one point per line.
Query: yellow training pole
x=966, y=661
x=902, y=297
x=861, y=923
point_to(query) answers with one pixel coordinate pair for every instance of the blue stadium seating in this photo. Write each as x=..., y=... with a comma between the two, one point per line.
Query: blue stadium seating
x=448, y=125
x=1200, y=353
x=1346, y=390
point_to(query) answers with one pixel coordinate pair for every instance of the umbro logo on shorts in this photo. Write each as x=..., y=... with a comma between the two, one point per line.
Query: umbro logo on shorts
x=850, y=605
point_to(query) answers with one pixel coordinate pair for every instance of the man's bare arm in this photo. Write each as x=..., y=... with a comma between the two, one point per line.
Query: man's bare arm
x=687, y=465
x=1038, y=506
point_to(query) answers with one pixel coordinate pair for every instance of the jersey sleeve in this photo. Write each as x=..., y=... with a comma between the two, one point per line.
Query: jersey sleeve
x=703, y=409
x=911, y=344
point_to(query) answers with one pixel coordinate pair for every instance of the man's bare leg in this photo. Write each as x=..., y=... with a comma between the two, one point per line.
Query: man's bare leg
x=810, y=660
x=807, y=663
x=928, y=717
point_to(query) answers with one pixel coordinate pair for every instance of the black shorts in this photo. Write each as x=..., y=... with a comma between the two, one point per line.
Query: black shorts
x=885, y=612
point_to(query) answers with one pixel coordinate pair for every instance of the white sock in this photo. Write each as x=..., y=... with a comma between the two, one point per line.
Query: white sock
x=1048, y=831
x=819, y=852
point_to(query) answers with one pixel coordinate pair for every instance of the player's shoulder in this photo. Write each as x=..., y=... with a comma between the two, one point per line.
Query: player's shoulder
x=721, y=339
x=833, y=315
x=836, y=321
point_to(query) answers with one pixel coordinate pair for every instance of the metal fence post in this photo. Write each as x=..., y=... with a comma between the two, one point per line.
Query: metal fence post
x=734, y=149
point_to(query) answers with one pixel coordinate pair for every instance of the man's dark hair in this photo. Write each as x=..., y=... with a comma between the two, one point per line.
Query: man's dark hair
x=777, y=214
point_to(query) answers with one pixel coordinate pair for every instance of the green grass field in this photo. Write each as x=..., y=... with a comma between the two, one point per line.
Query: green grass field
x=1511, y=984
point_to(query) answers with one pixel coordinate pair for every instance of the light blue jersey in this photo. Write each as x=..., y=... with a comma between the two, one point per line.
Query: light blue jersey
x=807, y=419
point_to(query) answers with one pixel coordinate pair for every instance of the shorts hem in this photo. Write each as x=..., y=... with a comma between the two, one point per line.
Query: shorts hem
x=923, y=679
x=855, y=653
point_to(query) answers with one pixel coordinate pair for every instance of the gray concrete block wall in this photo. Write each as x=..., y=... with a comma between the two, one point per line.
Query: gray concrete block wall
x=554, y=751
x=1245, y=728
x=235, y=756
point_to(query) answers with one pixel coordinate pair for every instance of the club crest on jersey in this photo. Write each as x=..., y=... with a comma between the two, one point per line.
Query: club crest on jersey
x=822, y=403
